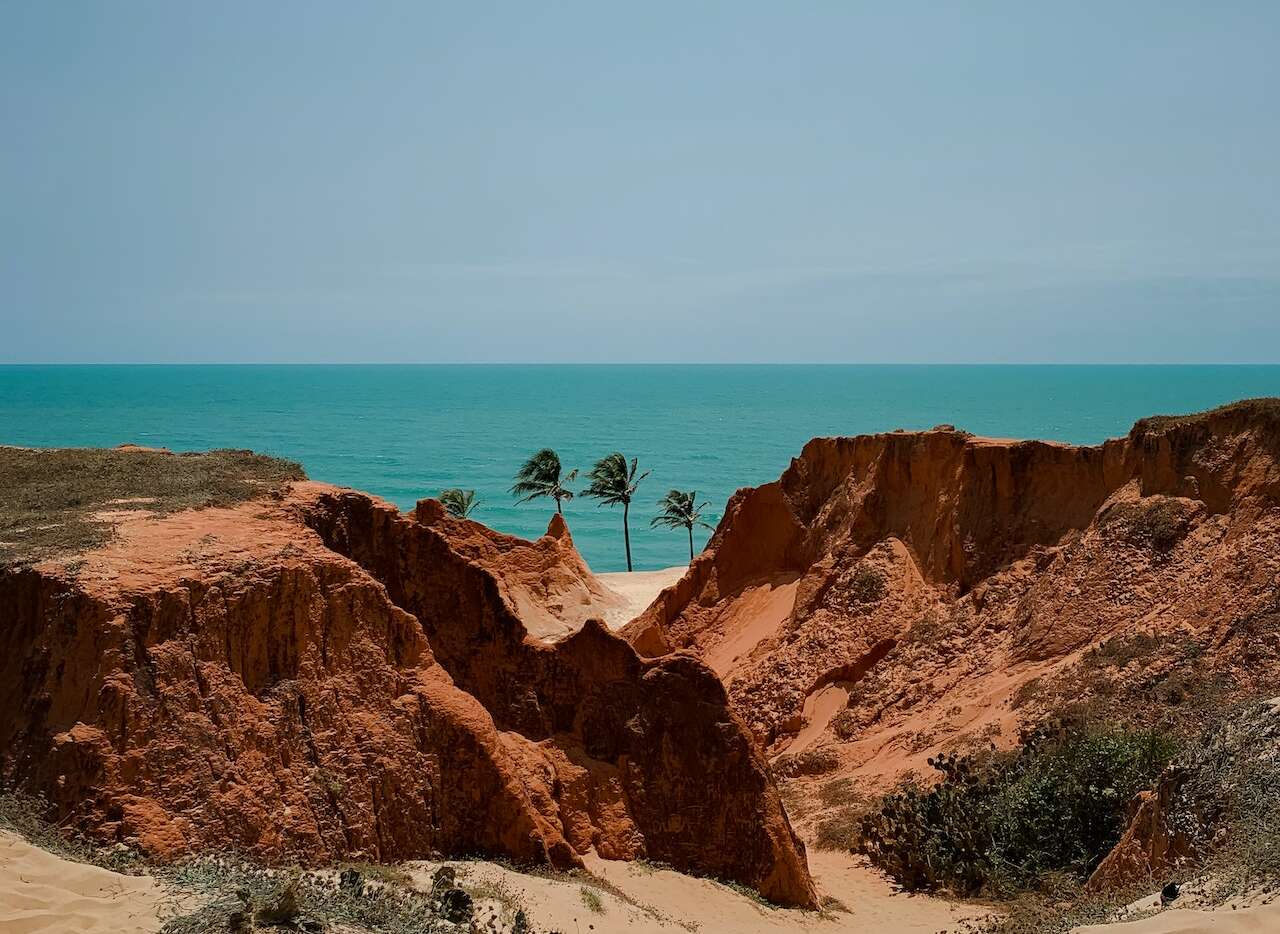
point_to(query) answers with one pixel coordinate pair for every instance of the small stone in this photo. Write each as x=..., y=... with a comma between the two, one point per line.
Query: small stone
x=351, y=881
x=456, y=906
x=446, y=877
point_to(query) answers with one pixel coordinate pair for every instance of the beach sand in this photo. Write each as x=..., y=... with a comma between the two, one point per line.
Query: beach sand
x=43, y=892
x=638, y=588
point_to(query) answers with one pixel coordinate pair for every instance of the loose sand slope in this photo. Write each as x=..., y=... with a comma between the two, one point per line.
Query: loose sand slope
x=646, y=900
x=1255, y=920
x=42, y=892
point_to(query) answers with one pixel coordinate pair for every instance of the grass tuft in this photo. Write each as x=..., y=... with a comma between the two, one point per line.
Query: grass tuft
x=591, y=898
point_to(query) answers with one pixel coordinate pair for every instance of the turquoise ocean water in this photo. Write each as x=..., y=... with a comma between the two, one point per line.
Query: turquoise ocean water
x=404, y=432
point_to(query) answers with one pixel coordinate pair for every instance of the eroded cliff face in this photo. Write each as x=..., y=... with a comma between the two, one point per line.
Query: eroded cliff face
x=319, y=677
x=894, y=595
x=240, y=685
x=642, y=758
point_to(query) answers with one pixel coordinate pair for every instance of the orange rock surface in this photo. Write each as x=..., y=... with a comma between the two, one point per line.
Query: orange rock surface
x=322, y=677
x=896, y=595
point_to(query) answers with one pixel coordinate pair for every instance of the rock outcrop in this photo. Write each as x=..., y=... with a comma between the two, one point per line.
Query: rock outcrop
x=895, y=595
x=317, y=676
x=640, y=752
x=545, y=582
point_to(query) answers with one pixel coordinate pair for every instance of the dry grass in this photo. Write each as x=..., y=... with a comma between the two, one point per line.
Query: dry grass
x=591, y=899
x=1263, y=410
x=51, y=497
x=1139, y=681
x=866, y=585
x=217, y=893
x=841, y=829
x=24, y=815
x=1154, y=523
x=810, y=762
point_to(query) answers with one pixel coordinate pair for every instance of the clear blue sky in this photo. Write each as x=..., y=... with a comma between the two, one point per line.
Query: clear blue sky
x=290, y=181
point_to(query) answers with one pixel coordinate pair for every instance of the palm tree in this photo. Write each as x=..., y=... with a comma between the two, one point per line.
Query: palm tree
x=459, y=503
x=612, y=482
x=540, y=476
x=680, y=509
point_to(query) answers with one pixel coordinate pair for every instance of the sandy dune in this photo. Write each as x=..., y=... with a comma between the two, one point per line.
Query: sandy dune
x=647, y=900
x=1255, y=920
x=42, y=892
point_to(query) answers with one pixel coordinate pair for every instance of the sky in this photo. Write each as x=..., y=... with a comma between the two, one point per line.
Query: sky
x=658, y=182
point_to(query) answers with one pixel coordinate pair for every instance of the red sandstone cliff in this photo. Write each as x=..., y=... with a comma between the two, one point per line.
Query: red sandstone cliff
x=322, y=677
x=899, y=594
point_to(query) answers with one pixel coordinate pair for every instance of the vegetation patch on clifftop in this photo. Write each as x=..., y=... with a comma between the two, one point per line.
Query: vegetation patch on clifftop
x=54, y=499
x=1264, y=410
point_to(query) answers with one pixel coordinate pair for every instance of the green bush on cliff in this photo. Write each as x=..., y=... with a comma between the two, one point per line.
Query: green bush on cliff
x=1057, y=805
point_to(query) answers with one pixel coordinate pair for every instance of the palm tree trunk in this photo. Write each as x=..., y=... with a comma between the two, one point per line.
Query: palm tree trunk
x=626, y=532
x=559, y=511
x=691, y=544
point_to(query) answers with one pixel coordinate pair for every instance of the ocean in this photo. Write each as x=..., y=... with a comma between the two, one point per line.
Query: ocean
x=405, y=432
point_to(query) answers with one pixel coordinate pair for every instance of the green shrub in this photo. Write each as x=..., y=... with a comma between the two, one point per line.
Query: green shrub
x=1058, y=804
x=866, y=585
x=1157, y=523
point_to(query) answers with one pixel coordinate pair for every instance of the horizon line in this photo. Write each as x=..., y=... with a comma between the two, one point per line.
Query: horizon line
x=642, y=363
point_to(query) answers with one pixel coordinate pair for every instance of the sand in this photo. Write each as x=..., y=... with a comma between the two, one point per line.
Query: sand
x=753, y=616
x=43, y=892
x=640, y=899
x=638, y=589
x=820, y=708
x=40, y=892
x=1254, y=920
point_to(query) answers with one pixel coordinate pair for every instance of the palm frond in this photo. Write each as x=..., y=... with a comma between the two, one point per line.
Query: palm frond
x=670, y=522
x=613, y=480
x=680, y=510
x=459, y=503
x=530, y=489
x=540, y=476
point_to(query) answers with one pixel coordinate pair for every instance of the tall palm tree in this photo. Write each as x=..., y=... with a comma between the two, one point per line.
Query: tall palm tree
x=459, y=503
x=613, y=482
x=680, y=510
x=540, y=476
